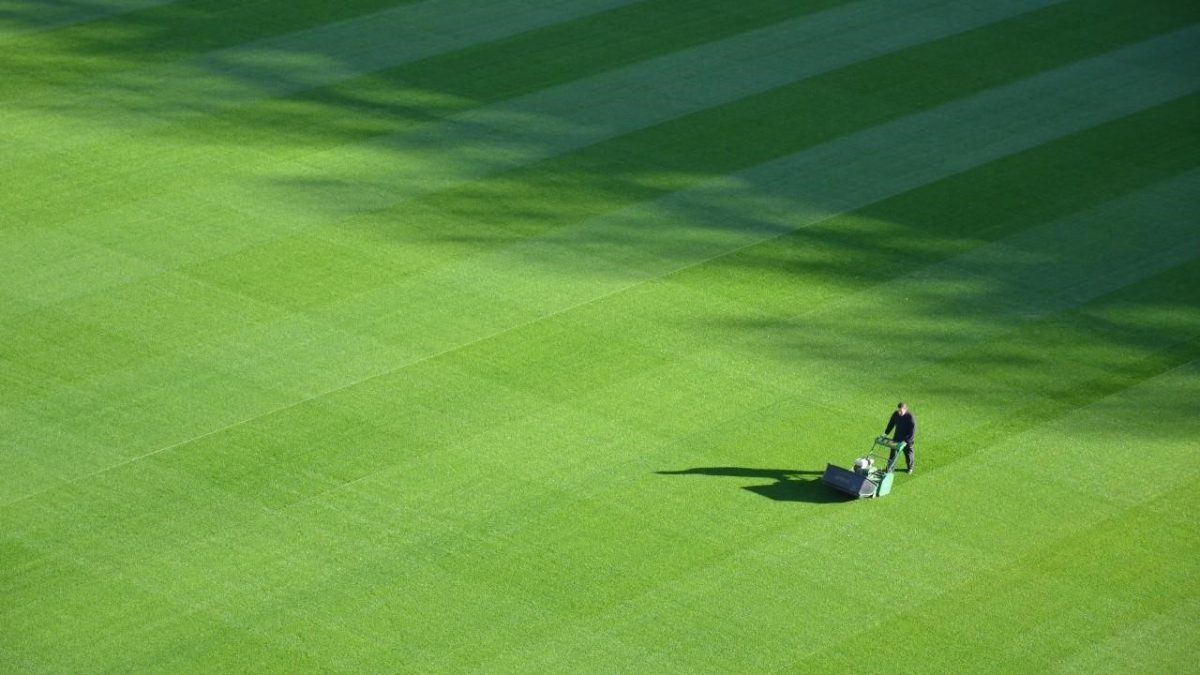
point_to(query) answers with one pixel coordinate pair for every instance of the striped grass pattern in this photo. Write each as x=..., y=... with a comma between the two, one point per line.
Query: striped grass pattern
x=513, y=336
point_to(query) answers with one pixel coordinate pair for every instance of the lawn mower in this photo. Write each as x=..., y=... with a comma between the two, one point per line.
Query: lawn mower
x=866, y=479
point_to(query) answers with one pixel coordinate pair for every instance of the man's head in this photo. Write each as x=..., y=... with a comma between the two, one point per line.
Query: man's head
x=902, y=408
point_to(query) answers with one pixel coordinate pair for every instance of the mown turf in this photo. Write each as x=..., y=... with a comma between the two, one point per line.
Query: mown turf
x=513, y=337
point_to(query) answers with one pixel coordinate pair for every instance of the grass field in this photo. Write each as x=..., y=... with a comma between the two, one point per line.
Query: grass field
x=513, y=335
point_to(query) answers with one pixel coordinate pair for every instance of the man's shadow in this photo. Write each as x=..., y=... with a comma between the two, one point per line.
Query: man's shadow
x=789, y=486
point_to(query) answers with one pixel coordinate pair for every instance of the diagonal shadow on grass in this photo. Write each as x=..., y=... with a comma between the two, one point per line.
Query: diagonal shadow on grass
x=788, y=486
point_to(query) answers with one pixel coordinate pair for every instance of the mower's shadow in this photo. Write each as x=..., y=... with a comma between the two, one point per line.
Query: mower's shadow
x=789, y=486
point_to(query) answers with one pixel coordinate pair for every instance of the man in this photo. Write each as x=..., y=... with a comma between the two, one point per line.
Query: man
x=906, y=430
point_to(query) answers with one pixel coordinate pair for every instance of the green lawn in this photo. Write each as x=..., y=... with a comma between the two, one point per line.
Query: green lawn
x=514, y=335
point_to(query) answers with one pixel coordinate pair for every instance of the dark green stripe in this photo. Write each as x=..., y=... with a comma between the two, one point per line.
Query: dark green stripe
x=955, y=214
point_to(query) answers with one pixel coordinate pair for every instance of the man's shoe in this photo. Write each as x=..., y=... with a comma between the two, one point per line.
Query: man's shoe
x=909, y=470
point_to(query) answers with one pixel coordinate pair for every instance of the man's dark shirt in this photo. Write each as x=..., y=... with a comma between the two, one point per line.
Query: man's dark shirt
x=906, y=427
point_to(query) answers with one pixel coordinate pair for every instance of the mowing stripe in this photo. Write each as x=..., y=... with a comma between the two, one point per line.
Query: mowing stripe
x=531, y=128
x=148, y=31
x=583, y=260
x=19, y=18
x=211, y=216
x=818, y=264
x=149, y=97
x=485, y=72
x=476, y=143
x=1030, y=112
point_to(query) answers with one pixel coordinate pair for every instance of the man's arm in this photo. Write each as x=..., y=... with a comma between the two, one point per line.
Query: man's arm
x=891, y=424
